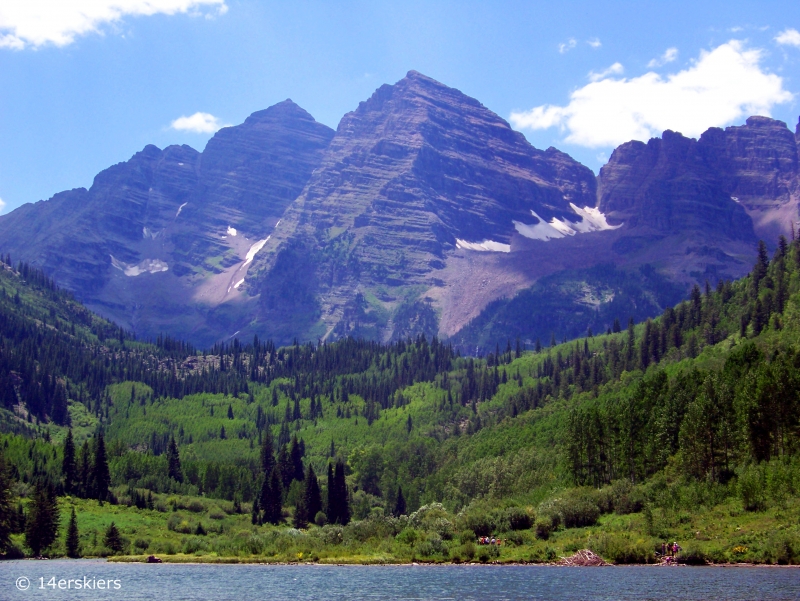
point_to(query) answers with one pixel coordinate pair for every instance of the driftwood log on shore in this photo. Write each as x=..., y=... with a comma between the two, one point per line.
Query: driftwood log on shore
x=584, y=557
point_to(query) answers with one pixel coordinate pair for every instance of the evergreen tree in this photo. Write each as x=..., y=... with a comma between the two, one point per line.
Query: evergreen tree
x=72, y=541
x=400, y=504
x=296, y=458
x=101, y=478
x=267, y=453
x=270, y=498
x=42, y=520
x=331, y=510
x=254, y=513
x=284, y=468
x=312, y=499
x=300, y=516
x=761, y=266
x=8, y=518
x=174, y=461
x=341, y=500
x=58, y=411
x=112, y=538
x=84, y=470
x=69, y=469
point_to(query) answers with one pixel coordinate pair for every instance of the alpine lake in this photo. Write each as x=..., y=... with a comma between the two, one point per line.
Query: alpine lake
x=95, y=579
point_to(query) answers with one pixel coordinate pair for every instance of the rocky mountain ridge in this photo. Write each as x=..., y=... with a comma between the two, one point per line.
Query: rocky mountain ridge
x=419, y=212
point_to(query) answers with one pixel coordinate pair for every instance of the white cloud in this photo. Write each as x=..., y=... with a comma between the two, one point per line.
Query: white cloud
x=670, y=55
x=594, y=43
x=789, y=37
x=720, y=87
x=2, y=205
x=615, y=69
x=567, y=46
x=199, y=123
x=37, y=23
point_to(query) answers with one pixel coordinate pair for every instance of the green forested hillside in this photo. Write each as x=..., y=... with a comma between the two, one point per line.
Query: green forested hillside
x=682, y=427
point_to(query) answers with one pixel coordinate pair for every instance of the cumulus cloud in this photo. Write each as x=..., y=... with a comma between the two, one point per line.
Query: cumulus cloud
x=35, y=23
x=720, y=87
x=670, y=55
x=789, y=37
x=615, y=69
x=199, y=123
x=567, y=46
x=594, y=42
x=2, y=205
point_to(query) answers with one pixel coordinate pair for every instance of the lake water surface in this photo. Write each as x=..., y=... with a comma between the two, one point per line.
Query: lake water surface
x=172, y=582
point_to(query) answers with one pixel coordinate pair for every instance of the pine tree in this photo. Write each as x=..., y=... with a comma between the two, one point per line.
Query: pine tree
x=174, y=461
x=340, y=490
x=72, y=541
x=300, y=517
x=331, y=509
x=101, y=478
x=8, y=518
x=69, y=469
x=58, y=411
x=400, y=504
x=312, y=500
x=84, y=470
x=267, y=453
x=271, y=497
x=42, y=521
x=296, y=458
x=112, y=539
x=761, y=266
x=254, y=514
x=284, y=468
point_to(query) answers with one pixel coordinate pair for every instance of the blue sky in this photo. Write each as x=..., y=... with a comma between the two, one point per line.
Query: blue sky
x=85, y=84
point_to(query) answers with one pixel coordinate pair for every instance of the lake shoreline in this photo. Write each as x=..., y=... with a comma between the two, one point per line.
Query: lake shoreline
x=344, y=562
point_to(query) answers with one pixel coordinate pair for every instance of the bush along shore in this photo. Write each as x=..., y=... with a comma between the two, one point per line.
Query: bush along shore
x=684, y=428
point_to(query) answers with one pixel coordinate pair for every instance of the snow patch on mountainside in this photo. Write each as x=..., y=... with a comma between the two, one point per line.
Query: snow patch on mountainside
x=592, y=220
x=180, y=208
x=144, y=266
x=485, y=246
x=232, y=231
x=254, y=250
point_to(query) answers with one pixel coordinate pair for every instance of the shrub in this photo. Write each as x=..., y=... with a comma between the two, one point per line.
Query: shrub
x=320, y=519
x=479, y=523
x=543, y=528
x=141, y=544
x=692, y=556
x=621, y=549
x=215, y=513
x=195, y=506
x=468, y=550
x=407, y=537
x=751, y=488
x=782, y=549
x=516, y=518
x=577, y=513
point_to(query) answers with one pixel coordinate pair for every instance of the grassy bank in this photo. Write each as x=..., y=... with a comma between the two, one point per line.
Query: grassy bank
x=200, y=530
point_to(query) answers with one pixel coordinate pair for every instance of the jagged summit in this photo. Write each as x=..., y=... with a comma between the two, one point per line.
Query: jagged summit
x=284, y=110
x=420, y=211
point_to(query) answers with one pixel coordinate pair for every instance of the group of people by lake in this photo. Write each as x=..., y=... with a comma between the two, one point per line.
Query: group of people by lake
x=489, y=540
x=669, y=552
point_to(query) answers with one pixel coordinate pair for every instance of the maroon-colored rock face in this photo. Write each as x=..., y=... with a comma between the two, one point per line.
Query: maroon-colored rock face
x=412, y=217
x=666, y=186
x=714, y=182
x=412, y=170
x=141, y=244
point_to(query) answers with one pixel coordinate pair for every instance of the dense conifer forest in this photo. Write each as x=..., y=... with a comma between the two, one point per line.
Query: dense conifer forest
x=408, y=449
